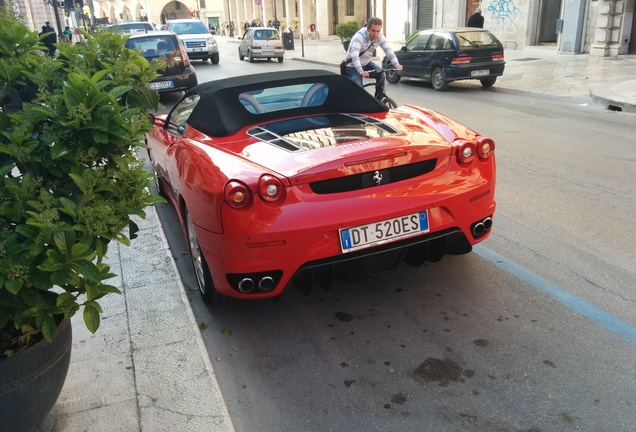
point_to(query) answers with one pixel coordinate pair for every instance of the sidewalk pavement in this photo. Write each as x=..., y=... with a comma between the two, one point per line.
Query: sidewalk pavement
x=147, y=368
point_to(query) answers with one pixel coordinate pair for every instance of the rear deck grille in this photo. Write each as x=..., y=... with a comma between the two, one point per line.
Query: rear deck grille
x=366, y=180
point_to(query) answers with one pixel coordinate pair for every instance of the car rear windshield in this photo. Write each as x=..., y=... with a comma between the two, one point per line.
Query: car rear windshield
x=266, y=34
x=196, y=27
x=469, y=40
x=152, y=46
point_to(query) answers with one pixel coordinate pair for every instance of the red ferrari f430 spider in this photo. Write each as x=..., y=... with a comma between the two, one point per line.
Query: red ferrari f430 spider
x=302, y=177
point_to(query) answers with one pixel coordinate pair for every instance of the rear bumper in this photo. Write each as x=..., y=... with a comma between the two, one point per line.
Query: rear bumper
x=456, y=73
x=180, y=82
x=303, y=236
x=273, y=54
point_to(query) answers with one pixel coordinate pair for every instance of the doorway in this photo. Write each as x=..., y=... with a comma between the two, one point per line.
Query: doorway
x=549, y=13
x=471, y=7
x=424, y=14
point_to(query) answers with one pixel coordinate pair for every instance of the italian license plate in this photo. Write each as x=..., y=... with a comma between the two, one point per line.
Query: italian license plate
x=482, y=72
x=161, y=85
x=197, y=49
x=364, y=236
x=267, y=52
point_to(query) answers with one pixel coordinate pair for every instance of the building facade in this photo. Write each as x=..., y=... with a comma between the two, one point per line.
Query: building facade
x=598, y=27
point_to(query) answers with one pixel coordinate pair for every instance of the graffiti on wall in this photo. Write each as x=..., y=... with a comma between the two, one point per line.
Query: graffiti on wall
x=504, y=11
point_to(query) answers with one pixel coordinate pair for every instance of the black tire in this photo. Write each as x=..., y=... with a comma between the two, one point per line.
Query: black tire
x=156, y=180
x=241, y=56
x=392, y=76
x=200, y=266
x=437, y=80
x=280, y=59
x=250, y=57
x=488, y=82
x=389, y=102
x=215, y=58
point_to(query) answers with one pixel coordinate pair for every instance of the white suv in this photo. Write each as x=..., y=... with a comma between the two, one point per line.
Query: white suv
x=196, y=37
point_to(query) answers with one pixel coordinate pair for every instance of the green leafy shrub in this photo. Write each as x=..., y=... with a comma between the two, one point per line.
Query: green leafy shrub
x=70, y=179
x=346, y=30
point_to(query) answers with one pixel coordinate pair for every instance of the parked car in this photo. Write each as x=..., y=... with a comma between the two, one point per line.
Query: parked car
x=179, y=73
x=132, y=26
x=199, y=43
x=303, y=176
x=261, y=42
x=443, y=56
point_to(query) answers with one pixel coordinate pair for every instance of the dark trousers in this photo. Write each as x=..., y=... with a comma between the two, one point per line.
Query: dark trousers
x=379, y=79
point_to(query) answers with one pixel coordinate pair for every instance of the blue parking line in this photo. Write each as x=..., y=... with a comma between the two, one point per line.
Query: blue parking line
x=575, y=303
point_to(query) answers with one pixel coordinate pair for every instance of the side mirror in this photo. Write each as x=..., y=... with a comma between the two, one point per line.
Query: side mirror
x=403, y=48
x=151, y=117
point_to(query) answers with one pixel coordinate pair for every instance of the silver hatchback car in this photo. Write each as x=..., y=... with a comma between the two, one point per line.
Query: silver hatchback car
x=261, y=42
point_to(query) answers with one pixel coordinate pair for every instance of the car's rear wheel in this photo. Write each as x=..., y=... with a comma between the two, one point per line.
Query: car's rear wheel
x=250, y=57
x=488, y=82
x=215, y=58
x=392, y=76
x=201, y=270
x=437, y=80
x=241, y=56
x=280, y=59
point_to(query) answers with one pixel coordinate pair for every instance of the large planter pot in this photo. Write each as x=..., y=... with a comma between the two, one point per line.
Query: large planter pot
x=31, y=381
x=345, y=45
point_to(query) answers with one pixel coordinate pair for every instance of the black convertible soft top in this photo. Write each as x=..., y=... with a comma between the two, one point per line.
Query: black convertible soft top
x=220, y=113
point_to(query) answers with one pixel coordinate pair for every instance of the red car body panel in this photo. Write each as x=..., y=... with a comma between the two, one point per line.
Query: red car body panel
x=301, y=230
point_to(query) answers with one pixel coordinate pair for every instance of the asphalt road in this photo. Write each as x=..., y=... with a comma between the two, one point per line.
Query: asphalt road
x=533, y=331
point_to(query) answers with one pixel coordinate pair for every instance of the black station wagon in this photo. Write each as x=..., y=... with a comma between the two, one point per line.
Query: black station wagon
x=442, y=56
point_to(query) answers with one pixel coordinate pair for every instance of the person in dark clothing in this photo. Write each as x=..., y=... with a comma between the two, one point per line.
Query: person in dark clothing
x=476, y=20
x=50, y=39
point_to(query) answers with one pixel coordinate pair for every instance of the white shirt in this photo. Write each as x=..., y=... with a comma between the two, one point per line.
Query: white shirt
x=361, y=42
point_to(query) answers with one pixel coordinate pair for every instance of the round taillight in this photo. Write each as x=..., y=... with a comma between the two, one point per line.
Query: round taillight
x=270, y=188
x=466, y=152
x=485, y=148
x=237, y=194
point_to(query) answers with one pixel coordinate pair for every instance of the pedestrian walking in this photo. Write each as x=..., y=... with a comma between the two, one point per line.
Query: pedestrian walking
x=50, y=39
x=67, y=35
x=476, y=20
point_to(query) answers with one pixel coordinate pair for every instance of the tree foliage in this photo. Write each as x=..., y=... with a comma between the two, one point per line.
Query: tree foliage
x=70, y=179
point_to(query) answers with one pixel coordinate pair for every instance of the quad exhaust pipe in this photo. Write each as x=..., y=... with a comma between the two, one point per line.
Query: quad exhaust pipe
x=480, y=228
